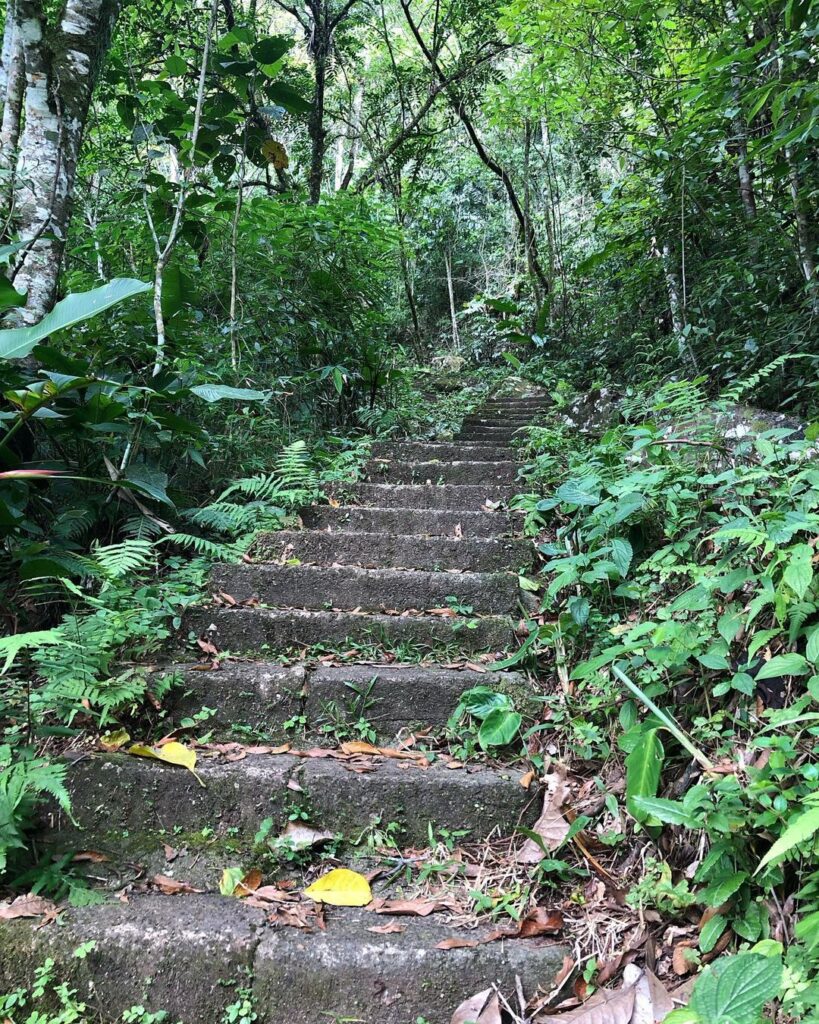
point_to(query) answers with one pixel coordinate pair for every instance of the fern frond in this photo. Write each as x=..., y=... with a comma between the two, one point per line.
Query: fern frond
x=129, y=556
x=202, y=546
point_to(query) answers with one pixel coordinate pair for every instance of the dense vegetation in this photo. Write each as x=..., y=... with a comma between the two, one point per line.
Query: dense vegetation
x=240, y=240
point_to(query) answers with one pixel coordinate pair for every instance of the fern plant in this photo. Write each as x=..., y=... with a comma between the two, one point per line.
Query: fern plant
x=25, y=780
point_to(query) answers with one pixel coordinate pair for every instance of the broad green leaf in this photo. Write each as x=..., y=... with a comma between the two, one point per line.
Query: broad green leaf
x=9, y=296
x=812, y=649
x=579, y=492
x=791, y=664
x=18, y=342
x=218, y=392
x=804, y=827
x=499, y=727
x=621, y=554
x=481, y=700
x=579, y=609
x=669, y=812
x=799, y=571
x=737, y=988
x=643, y=766
x=287, y=97
x=723, y=889
x=711, y=931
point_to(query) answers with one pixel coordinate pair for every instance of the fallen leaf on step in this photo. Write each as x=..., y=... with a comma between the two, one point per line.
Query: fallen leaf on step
x=483, y=1008
x=28, y=906
x=172, y=886
x=393, y=928
x=169, y=753
x=411, y=908
x=170, y=853
x=273, y=894
x=341, y=887
x=606, y=1006
x=112, y=741
x=537, y=922
x=302, y=837
x=249, y=883
x=551, y=827
x=89, y=856
x=527, y=779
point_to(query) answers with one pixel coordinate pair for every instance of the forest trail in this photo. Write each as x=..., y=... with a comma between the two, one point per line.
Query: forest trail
x=417, y=571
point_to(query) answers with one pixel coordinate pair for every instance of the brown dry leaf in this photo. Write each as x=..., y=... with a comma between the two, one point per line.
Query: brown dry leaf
x=27, y=906
x=445, y=613
x=606, y=1006
x=250, y=883
x=551, y=826
x=393, y=928
x=527, y=779
x=539, y=921
x=113, y=741
x=89, y=856
x=483, y=1008
x=172, y=886
x=412, y=908
x=684, y=958
x=170, y=853
x=273, y=894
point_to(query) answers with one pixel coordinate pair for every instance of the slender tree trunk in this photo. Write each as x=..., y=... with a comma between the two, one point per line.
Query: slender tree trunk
x=315, y=123
x=804, y=231
x=62, y=64
x=676, y=307
x=12, y=90
x=450, y=287
x=355, y=133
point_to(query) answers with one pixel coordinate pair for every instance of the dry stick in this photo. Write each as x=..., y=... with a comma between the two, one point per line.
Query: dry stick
x=234, y=231
x=499, y=172
x=164, y=253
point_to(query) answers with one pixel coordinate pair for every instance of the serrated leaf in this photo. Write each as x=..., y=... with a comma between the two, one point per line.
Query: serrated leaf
x=621, y=554
x=669, y=812
x=737, y=988
x=799, y=571
x=711, y=931
x=723, y=889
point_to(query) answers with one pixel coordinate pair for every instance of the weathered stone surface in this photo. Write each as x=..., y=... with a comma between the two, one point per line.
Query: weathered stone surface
x=260, y=696
x=449, y=496
x=263, y=696
x=415, y=451
x=127, y=807
x=253, y=630
x=188, y=955
x=395, y=697
x=477, y=800
x=348, y=587
x=408, y=522
x=348, y=973
x=387, y=550
x=463, y=472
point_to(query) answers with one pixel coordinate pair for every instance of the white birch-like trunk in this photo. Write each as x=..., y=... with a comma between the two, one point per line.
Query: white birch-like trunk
x=62, y=63
x=804, y=231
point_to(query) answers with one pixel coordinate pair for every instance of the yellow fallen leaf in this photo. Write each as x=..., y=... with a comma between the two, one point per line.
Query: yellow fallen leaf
x=342, y=888
x=170, y=753
x=112, y=741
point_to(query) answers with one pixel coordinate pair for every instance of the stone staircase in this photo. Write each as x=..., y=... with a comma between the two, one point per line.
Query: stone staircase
x=413, y=582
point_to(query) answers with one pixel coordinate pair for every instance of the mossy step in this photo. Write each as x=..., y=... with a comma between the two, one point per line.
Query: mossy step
x=252, y=630
x=260, y=697
x=406, y=523
x=189, y=956
x=465, y=497
x=127, y=808
x=466, y=471
x=391, y=550
x=348, y=587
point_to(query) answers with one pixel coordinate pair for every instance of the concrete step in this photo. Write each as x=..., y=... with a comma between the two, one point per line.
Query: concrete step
x=419, y=451
x=257, y=630
x=186, y=955
x=393, y=699
x=407, y=522
x=464, y=472
x=370, y=590
x=390, y=550
x=469, y=498
x=498, y=419
x=493, y=435
x=127, y=808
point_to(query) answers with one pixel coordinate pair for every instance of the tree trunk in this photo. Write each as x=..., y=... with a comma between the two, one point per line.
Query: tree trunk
x=319, y=44
x=12, y=88
x=62, y=64
x=355, y=133
x=450, y=287
x=677, y=308
x=804, y=232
